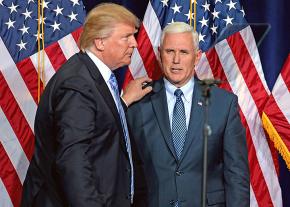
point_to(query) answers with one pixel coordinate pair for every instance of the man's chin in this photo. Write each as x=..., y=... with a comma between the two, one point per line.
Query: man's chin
x=124, y=64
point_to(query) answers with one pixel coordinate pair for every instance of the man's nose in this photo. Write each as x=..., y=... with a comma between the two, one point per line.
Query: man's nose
x=176, y=58
x=133, y=42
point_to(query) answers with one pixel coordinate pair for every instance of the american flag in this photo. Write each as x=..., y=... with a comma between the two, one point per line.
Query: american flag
x=19, y=78
x=276, y=115
x=230, y=54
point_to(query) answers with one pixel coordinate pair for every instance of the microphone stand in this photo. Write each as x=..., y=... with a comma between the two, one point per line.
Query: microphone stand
x=206, y=86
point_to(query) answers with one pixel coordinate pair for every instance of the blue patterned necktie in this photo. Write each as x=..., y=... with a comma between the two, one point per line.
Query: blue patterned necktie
x=179, y=128
x=114, y=86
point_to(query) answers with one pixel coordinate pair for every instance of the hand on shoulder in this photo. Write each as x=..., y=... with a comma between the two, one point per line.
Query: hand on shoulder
x=134, y=90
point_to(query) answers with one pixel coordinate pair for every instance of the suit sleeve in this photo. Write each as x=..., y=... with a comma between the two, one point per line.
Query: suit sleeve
x=74, y=118
x=236, y=170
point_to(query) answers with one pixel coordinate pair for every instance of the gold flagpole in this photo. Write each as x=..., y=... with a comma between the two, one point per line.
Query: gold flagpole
x=194, y=28
x=40, y=48
x=190, y=13
x=190, y=17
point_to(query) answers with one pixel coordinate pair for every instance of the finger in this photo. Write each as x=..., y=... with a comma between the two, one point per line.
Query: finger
x=147, y=89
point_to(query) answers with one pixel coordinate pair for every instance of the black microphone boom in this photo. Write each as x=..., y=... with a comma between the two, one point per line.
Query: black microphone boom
x=209, y=82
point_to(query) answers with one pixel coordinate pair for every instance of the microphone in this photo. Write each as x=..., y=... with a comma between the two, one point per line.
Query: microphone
x=146, y=84
x=209, y=82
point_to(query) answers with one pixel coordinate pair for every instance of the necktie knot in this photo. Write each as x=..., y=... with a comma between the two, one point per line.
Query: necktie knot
x=178, y=93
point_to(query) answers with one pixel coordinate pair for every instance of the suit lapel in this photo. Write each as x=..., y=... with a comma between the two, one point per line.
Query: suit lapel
x=196, y=119
x=104, y=91
x=160, y=108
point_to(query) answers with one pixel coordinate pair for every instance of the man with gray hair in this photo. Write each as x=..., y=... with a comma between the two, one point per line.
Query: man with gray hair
x=167, y=129
x=83, y=154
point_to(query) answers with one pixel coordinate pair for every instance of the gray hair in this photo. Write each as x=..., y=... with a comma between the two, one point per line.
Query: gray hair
x=180, y=27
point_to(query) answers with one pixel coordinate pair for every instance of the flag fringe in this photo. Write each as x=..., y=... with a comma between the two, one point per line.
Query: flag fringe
x=275, y=137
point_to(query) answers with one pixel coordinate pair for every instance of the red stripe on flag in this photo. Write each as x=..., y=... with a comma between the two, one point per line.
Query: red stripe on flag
x=285, y=72
x=274, y=112
x=217, y=69
x=76, y=34
x=256, y=176
x=128, y=77
x=10, y=178
x=29, y=76
x=278, y=120
x=252, y=79
x=258, y=182
x=55, y=55
x=248, y=70
x=16, y=118
x=147, y=54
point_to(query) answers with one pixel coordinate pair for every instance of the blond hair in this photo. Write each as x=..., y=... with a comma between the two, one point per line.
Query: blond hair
x=180, y=27
x=101, y=21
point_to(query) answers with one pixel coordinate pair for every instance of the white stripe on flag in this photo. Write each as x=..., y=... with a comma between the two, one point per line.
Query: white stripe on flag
x=282, y=96
x=17, y=85
x=13, y=148
x=136, y=67
x=68, y=46
x=251, y=114
x=249, y=40
x=203, y=70
x=4, y=196
x=152, y=27
x=49, y=70
x=253, y=200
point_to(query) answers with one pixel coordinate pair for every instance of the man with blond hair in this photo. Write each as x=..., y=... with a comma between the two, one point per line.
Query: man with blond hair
x=167, y=128
x=83, y=154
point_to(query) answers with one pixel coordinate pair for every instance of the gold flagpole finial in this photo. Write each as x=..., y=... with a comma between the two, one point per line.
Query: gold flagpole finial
x=194, y=13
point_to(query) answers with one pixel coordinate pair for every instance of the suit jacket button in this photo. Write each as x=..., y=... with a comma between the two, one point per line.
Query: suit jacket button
x=178, y=173
x=128, y=197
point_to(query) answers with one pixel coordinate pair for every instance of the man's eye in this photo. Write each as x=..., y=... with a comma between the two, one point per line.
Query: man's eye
x=169, y=51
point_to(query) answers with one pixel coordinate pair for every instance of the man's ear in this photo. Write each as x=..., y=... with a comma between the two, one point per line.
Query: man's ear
x=197, y=57
x=159, y=57
x=99, y=44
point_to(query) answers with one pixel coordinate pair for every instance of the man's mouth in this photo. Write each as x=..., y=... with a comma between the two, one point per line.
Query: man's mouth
x=176, y=69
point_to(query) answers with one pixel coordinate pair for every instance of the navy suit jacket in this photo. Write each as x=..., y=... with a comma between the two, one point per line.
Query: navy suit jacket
x=80, y=155
x=161, y=178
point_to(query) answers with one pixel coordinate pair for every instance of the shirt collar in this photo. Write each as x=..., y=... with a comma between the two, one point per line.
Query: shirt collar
x=104, y=69
x=187, y=89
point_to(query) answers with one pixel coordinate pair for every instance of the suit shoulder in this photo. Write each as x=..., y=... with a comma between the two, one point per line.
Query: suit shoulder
x=72, y=76
x=74, y=66
x=73, y=73
x=135, y=107
x=223, y=98
x=223, y=94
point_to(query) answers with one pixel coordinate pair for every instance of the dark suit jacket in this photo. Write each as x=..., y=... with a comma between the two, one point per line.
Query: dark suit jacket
x=161, y=178
x=80, y=155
